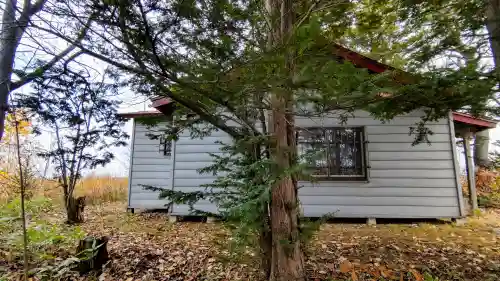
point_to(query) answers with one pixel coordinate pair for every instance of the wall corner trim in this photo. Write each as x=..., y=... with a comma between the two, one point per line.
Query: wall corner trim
x=456, y=165
x=131, y=163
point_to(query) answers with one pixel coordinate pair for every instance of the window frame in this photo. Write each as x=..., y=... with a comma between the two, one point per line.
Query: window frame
x=165, y=146
x=364, y=157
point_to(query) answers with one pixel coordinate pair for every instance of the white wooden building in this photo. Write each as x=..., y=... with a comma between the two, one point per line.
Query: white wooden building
x=380, y=175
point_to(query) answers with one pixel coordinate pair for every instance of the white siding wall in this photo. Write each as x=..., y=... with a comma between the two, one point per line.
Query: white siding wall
x=148, y=166
x=405, y=181
x=193, y=154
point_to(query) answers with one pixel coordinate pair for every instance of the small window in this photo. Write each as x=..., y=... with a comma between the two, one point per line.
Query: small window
x=333, y=153
x=165, y=146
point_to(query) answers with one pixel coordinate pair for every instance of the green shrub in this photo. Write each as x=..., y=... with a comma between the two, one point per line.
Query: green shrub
x=10, y=213
x=45, y=238
x=489, y=201
x=35, y=206
x=429, y=277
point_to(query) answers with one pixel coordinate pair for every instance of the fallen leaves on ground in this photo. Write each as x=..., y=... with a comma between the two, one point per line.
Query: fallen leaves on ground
x=471, y=252
x=147, y=247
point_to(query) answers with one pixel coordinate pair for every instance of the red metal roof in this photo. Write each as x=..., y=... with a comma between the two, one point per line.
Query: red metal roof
x=475, y=121
x=360, y=60
x=356, y=59
x=140, y=114
x=160, y=101
x=378, y=67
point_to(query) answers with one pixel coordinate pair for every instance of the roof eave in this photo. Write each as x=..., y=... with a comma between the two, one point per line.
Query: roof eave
x=138, y=114
x=474, y=121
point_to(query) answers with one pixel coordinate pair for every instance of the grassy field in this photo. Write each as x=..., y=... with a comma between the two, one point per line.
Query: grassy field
x=100, y=190
x=146, y=246
x=96, y=189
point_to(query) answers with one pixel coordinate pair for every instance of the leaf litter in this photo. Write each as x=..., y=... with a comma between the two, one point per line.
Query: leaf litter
x=147, y=247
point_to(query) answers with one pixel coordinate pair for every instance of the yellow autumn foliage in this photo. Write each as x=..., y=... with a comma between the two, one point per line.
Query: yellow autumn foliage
x=9, y=179
x=24, y=125
x=487, y=182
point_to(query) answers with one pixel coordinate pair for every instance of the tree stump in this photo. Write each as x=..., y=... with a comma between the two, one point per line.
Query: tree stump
x=93, y=254
x=74, y=209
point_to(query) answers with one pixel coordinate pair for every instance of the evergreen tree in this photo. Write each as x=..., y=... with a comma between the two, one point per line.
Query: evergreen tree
x=15, y=27
x=228, y=64
x=375, y=29
x=82, y=116
x=467, y=34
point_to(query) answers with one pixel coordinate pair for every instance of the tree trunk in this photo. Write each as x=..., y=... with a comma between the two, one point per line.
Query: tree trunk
x=9, y=41
x=287, y=255
x=493, y=26
x=265, y=238
x=482, y=142
x=481, y=149
x=74, y=209
x=93, y=254
x=265, y=244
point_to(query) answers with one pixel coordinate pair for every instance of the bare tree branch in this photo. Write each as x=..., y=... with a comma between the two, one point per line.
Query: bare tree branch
x=39, y=71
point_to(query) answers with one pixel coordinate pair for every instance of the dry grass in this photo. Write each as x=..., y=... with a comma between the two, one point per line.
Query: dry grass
x=102, y=189
x=96, y=189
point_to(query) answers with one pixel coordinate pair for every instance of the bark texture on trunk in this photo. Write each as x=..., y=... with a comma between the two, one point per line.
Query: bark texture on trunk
x=265, y=238
x=265, y=243
x=287, y=254
x=493, y=26
x=9, y=40
x=11, y=32
x=482, y=142
x=74, y=209
x=93, y=254
x=481, y=149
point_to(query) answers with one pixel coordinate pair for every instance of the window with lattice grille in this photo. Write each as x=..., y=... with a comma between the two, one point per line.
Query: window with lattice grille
x=333, y=153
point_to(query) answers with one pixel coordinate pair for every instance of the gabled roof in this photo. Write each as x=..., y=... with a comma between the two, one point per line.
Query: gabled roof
x=360, y=60
x=355, y=58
